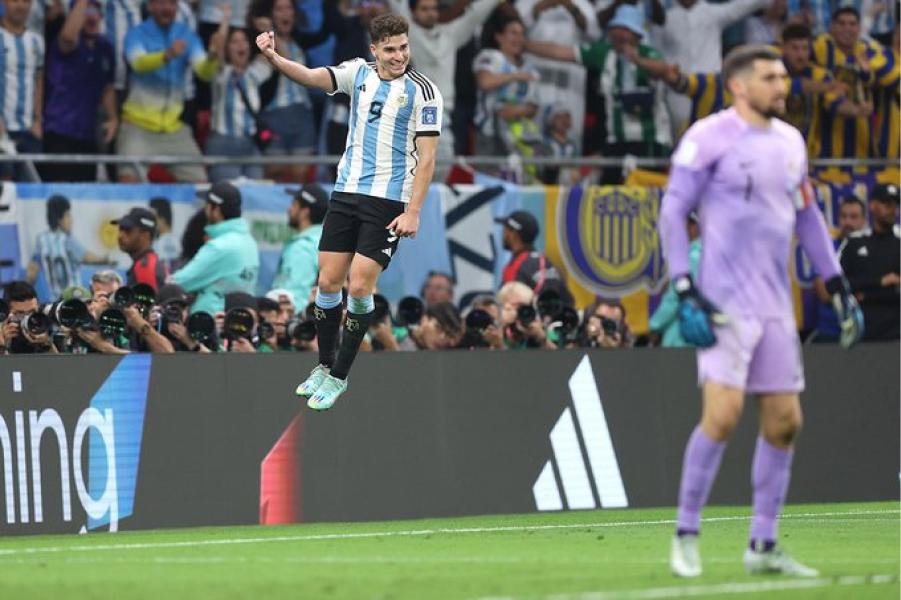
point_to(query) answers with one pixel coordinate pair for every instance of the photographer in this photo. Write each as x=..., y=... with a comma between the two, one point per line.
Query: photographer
x=240, y=332
x=24, y=330
x=482, y=329
x=605, y=326
x=173, y=321
x=272, y=327
x=520, y=326
x=440, y=328
x=381, y=329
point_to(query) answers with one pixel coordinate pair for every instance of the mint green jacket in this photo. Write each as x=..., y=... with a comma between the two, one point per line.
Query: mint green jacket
x=228, y=262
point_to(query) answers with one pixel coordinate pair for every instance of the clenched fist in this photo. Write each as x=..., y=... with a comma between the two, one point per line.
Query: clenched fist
x=266, y=44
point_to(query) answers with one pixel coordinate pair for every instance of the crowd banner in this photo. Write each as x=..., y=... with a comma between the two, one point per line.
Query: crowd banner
x=603, y=238
x=149, y=441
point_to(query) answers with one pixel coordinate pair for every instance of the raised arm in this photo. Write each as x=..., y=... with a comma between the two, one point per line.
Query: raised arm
x=319, y=78
x=727, y=13
x=67, y=40
x=462, y=28
x=552, y=51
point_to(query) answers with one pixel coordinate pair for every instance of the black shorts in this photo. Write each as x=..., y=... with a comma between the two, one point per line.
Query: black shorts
x=358, y=223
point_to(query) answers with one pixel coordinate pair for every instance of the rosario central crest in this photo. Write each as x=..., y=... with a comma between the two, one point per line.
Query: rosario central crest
x=609, y=238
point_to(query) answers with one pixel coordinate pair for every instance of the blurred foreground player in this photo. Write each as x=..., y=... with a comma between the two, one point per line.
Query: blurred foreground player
x=745, y=172
x=383, y=178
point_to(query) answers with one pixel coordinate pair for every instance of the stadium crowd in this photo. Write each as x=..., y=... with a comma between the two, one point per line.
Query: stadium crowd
x=168, y=77
x=557, y=78
x=200, y=297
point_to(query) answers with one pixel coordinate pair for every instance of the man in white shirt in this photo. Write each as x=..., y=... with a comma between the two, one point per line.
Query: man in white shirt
x=691, y=37
x=563, y=22
x=435, y=47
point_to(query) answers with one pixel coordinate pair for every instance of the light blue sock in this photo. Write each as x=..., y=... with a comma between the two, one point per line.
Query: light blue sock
x=328, y=299
x=360, y=306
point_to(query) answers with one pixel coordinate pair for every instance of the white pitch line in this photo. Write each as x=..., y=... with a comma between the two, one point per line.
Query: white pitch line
x=400, y=533
x=689, y=591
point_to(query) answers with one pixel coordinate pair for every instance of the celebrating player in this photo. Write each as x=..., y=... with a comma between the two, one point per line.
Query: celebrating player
x=745, y=172
x=383, y=177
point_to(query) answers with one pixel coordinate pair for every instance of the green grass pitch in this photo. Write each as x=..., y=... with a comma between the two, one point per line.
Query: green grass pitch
x=596, y=555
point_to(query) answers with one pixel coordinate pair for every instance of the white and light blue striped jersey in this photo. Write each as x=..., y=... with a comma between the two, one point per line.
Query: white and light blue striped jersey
x=230, y=114
x=118, y=17
x=21, y=57
x=515, y=92
x=385, y=119
x=287, y=92
x=60, y=257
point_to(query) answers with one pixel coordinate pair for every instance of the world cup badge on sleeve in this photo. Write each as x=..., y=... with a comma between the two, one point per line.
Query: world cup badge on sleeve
x=430, y=115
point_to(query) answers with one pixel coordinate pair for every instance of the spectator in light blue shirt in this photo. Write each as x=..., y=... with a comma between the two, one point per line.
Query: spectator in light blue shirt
x=298, y=267
x=229, y=261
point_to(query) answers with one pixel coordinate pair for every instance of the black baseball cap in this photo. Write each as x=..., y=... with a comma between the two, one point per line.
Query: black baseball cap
x=523, y=223
x=315, y=198
x=222, y=194
x=172, y=293
x=888, y=193
x=141, y=218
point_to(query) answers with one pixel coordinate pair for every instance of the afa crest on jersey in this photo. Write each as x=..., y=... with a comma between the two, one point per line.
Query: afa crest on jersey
x=609, y=238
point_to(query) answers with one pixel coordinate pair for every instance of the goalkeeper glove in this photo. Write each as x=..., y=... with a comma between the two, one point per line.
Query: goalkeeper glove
x=697, y=315
x=850, y=317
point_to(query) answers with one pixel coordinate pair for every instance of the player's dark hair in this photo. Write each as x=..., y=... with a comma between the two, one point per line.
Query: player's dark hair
x=796, y=31
x=57, y=207
x=163, y=209
x=19, y=291
x=852, y=199
x=742, y=58
x=385, y=26
x=846, y=10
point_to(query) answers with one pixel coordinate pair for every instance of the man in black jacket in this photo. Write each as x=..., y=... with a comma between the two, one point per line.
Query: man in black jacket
x=870, y=260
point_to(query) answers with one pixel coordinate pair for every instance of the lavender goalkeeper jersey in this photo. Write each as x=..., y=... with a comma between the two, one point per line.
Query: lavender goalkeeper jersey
x=750, y=188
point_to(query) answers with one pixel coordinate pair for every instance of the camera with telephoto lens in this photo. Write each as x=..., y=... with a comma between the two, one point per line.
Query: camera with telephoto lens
x=549, y=303
x=112, y=324
x=239, y=323
x=301, y=330
x=409, y=311
x=71, y=314
x=477, y=321
x=122, y=298
x=172, y=312
x=525, y=314
x=266, y=329
x=382, y=308
x=609, y=326
x=145, y=297
x=202, y=329
x=4, y=309
x=35, y=324
x=566, y=323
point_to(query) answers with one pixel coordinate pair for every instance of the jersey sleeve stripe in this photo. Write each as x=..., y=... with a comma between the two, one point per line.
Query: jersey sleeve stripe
x=334, y=81
x=424, y=84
